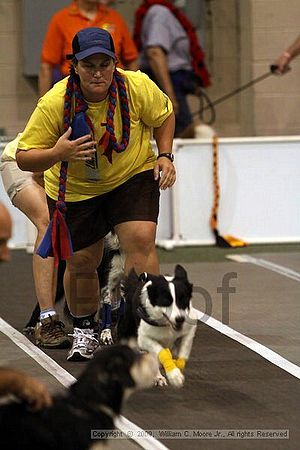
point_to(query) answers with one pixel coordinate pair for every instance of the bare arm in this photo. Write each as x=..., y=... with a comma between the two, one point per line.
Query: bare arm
x=164, y=135
x=287, y=56
x=45, y=78
x=39, y=160
x=36, y=160
x=164, y=140
x=159, y=65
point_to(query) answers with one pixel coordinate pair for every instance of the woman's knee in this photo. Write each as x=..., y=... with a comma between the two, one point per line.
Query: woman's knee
x=141, y=243
x=42, y=223
x=86, y=260
x=82, y=263
x=136, y=238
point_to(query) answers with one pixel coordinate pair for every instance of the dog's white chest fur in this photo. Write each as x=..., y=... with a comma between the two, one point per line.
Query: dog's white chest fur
x=165, y=336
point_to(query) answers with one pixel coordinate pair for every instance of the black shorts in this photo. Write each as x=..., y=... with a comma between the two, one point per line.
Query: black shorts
x=90, y=220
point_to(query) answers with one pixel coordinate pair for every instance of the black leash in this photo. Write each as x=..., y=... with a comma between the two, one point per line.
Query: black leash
x=206, y=103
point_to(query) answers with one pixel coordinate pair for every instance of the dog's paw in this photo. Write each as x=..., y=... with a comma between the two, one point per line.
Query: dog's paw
x=106, y=337
x=160, y=380
x=180, y=363
x=175, y=378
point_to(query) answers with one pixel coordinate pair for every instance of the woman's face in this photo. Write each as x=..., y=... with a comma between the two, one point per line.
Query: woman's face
x=96, y=74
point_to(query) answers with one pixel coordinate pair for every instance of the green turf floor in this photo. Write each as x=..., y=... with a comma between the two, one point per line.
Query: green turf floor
x=217, y=254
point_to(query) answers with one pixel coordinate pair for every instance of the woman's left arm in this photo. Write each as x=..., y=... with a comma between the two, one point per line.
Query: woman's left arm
x=164, y=169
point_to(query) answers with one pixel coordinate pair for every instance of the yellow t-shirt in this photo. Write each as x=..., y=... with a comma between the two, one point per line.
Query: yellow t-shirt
x=148, y=106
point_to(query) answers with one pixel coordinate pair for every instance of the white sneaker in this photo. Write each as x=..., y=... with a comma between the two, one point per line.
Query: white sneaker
x=85, y=342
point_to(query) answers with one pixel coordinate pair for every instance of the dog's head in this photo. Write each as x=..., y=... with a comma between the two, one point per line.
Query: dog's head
x=167, y=297
x=113, y=374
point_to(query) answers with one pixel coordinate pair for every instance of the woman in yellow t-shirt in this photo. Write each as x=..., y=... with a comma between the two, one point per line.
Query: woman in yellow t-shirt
x=90, y=135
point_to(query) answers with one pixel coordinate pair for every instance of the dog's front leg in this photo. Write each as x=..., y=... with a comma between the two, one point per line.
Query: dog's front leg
x=185, y=348
x=174, y=375
x=149, y=345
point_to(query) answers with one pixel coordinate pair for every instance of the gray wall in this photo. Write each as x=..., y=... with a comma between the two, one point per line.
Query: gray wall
x=242, y=38
x=35, y=18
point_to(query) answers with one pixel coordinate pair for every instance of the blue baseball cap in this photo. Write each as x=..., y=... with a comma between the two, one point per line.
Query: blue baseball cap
x=92, y=40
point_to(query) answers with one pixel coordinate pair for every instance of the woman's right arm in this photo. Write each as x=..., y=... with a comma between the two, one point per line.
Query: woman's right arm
x=36, y=160
x=39, y=160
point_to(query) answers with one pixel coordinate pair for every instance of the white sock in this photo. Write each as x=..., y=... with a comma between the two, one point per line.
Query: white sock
x=47, y=313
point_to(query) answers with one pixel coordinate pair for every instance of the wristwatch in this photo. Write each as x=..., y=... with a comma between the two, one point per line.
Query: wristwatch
x=170, y=156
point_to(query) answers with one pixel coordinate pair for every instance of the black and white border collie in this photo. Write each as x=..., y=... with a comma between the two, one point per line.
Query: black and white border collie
x=91, y=403
x=160, y=314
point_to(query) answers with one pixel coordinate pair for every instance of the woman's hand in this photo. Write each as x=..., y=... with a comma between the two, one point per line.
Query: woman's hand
x=81, y=149
x=165, y=172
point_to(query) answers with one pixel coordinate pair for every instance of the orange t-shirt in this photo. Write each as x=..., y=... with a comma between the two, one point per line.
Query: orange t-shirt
x=68, y=21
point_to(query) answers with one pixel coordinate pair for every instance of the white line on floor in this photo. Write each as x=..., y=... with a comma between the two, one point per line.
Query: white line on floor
x=122, y=423
x=282, y=270
x=258, y=348
x=66, y=379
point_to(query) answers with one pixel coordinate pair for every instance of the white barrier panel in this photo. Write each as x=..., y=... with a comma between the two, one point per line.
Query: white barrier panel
x=260, y=192
x=259, y=202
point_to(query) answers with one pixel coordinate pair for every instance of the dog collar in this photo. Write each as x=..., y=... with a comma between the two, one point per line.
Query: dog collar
x=142, y=313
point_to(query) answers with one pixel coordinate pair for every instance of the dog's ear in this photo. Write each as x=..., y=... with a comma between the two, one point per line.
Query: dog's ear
x=180, y=273
x=143, y=277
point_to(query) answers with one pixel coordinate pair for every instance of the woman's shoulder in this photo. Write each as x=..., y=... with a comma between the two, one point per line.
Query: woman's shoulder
x=140, y=88
x=55, y=96
x=58, y=88
x=134, y=78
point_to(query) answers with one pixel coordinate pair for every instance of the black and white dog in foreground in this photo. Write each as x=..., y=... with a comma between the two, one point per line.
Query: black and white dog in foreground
x=160, y=314
x=91, y=403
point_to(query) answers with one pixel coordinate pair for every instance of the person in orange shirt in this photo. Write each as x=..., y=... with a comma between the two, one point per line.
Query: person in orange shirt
x=67, y=22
